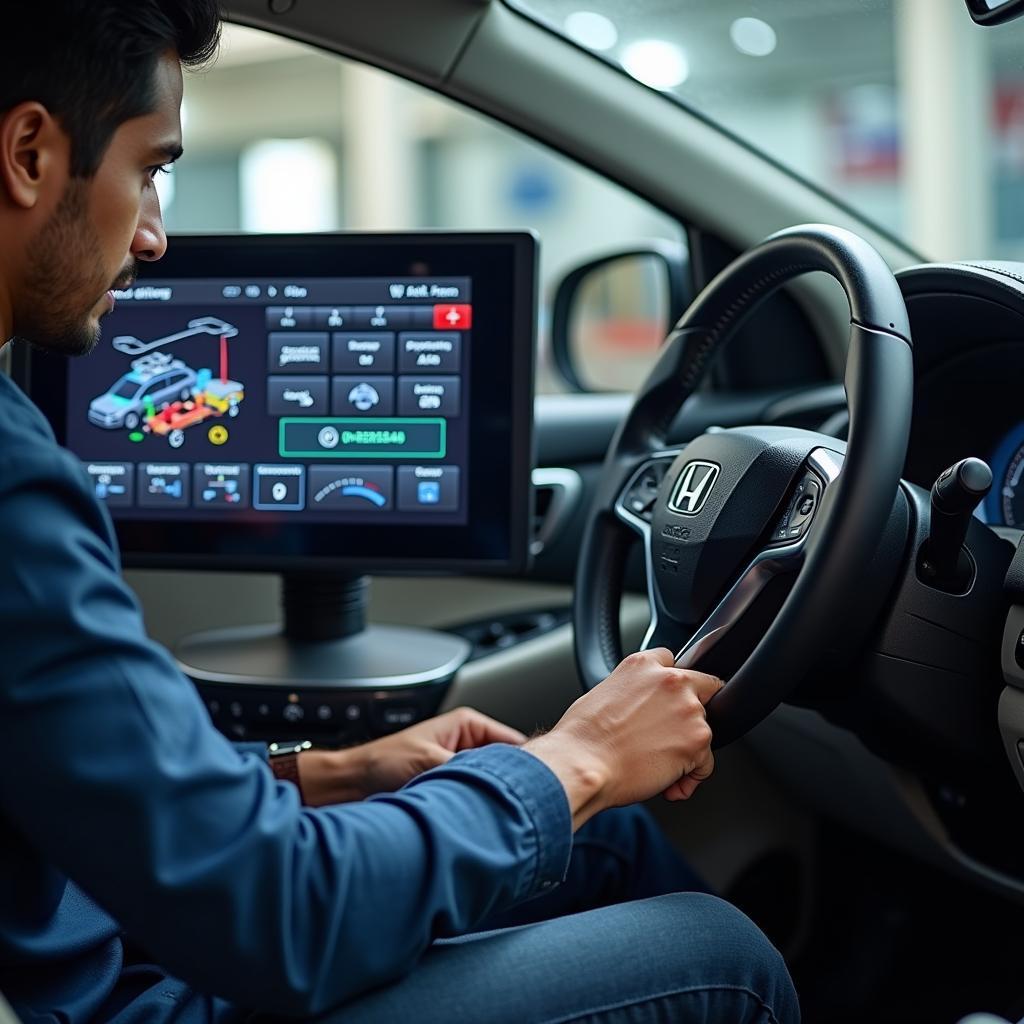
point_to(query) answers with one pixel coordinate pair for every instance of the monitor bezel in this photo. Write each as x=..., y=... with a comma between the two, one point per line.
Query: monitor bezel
x=44, y=378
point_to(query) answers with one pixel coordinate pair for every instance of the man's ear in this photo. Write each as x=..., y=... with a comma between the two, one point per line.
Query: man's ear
x=34, y=152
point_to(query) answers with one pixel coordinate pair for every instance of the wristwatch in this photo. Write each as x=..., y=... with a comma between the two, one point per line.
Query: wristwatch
x=284, y=762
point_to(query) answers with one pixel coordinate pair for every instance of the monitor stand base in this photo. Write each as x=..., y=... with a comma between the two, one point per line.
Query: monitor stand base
x=375, y=658
x=323, y=643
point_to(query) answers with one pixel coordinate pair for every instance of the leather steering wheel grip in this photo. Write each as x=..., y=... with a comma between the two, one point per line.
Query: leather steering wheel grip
x=879, y=386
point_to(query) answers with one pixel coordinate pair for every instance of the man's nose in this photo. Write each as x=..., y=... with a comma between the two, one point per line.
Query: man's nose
x=150, y=241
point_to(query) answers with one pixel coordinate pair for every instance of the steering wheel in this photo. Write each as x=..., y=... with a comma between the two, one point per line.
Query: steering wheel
x=723, y=516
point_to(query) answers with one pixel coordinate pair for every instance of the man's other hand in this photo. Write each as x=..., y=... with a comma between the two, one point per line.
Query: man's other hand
x=643, y=731
x=387, y=764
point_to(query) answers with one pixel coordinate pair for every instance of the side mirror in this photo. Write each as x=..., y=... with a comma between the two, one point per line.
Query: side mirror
x=995, y=12
x=612, y=314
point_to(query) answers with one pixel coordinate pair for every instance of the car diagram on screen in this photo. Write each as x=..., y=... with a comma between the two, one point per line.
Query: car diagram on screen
x=211, y=325
x=163, y=396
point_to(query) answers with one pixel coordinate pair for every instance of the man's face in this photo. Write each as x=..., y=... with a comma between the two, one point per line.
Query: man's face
x=100, y=228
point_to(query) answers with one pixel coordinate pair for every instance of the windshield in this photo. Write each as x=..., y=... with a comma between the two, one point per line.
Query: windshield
x=126, y=389
x=903, y=109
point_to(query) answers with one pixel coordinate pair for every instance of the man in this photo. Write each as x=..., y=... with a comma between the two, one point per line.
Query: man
x=154, y=872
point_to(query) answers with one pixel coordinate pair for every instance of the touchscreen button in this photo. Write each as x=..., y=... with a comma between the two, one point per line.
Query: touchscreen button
x=289, y=318
x=113, y=482
x=297, y=396
x=364, y=352
x=429, y=352
x=280, y=488
x=428, y=488
x=429, y=396
x=351, y=488
x=221, y=485
x=298, y=352
x=163, y=484
x=363, y=396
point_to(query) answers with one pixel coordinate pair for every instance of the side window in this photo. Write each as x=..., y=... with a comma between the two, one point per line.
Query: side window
x=280, y=137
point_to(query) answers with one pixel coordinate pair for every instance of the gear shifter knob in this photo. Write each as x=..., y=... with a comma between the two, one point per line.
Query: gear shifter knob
x=955, y=496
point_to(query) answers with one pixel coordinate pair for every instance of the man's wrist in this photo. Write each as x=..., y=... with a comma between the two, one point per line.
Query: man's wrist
x=584, y=776
x=331, y=776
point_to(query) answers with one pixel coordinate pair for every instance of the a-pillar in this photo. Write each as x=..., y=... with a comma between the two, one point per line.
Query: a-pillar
x=942, y=60
x=379, y=169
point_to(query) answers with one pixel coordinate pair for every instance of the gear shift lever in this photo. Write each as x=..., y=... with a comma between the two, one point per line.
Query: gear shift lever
x=942, y=562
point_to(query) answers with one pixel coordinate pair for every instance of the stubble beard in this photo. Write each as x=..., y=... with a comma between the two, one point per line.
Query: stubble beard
x=65, y=280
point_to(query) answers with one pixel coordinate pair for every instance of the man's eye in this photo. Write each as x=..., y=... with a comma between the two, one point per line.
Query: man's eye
x=158, y=169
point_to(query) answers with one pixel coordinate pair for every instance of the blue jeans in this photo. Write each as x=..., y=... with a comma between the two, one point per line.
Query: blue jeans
x=654, y=952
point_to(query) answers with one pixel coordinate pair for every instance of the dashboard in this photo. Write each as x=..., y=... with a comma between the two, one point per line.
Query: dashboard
x=968, y=328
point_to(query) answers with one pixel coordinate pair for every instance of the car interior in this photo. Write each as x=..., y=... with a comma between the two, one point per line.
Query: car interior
x=755, y=326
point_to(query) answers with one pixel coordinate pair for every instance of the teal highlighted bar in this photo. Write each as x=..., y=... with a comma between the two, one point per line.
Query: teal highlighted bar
x=364, y=438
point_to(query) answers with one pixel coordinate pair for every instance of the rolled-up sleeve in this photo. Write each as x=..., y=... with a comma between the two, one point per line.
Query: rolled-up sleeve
x=193, y=846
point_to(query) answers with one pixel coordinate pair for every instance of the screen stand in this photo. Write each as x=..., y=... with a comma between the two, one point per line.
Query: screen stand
x=323, y=643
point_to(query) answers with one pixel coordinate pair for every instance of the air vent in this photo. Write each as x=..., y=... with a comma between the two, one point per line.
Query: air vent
x=556, y=493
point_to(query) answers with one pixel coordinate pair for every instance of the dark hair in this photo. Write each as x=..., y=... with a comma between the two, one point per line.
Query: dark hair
x=91, y=63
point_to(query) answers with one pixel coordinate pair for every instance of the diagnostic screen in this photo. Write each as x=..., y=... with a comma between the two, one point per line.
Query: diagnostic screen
x=340, y=397
x=355, y=400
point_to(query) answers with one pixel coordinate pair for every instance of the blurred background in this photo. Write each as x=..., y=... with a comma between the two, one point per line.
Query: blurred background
x=902, y=108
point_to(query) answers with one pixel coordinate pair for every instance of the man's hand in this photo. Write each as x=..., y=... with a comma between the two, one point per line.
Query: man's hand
x=387, y=764
x=642, y=731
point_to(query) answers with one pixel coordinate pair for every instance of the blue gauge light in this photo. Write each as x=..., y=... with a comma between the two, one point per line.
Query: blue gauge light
x=1005, y=503
x=369, y=494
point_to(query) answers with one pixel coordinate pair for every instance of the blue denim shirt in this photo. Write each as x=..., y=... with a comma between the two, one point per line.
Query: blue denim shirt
x=135, y=834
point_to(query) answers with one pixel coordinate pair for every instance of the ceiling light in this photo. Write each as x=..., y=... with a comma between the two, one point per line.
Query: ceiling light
x=752, y=36
x=656, y=63
x=592, y=30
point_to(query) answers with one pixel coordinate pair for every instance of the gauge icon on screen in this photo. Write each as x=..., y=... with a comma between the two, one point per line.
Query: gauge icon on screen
x=354, y=489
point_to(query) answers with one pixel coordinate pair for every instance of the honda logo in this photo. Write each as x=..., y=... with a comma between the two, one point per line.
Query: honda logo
x=694, y=487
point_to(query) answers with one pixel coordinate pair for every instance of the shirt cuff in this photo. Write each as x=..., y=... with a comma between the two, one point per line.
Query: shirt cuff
x=542, y=797
x=259, y=749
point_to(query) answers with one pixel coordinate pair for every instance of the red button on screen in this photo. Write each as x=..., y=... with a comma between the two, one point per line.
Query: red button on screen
x=453, y=318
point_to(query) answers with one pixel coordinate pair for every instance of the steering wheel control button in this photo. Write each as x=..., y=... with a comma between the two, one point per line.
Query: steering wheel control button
x=799, y=512
x=642, y=492
x=804, y=508
x=1018, y=652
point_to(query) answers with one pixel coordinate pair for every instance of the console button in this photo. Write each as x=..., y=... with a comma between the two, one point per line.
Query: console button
x=363, y=396
x=429, y=352
x=1018, y=651
x=280, y=488
x=351, y=488
x=163, y=485
x=428, y=488
x=289, y=318
x=364, y=352
x=297, y=396
x=298, y=351
x=222, y=485
x=293, y=713
x=392, y=715
x=430, y=396
x=113, y=482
